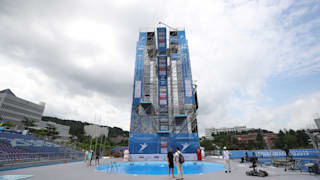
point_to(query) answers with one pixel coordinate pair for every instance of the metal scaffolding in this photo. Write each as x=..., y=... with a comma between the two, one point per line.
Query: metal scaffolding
x=164, y=101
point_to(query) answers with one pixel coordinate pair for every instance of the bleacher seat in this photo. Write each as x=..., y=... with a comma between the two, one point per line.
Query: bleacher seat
x=28, y=143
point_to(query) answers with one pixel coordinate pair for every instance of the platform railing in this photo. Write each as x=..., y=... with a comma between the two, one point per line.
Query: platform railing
x=11, y=159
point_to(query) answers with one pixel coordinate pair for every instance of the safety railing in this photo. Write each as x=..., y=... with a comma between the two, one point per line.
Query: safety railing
x=10, y=159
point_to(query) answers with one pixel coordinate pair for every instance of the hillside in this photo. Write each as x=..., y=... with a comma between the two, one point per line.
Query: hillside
x=77, y=127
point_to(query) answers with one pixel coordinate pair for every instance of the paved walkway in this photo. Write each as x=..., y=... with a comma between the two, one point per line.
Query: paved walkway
x=79, y=171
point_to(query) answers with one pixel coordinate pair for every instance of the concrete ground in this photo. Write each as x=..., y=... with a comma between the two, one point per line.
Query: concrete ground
x=78, y=171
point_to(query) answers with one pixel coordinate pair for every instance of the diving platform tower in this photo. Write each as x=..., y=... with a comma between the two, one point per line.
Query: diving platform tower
x=164, y=104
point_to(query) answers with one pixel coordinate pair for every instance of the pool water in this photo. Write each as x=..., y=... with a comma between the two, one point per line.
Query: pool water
x=160, y=168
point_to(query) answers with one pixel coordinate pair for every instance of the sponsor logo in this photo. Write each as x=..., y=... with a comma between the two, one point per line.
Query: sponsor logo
x=143, y=146
x=184, y=146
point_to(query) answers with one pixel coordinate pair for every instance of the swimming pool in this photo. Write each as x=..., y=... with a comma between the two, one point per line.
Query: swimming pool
x=159, y=168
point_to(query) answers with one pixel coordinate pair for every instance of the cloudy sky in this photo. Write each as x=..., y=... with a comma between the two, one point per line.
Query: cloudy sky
x=257, y=63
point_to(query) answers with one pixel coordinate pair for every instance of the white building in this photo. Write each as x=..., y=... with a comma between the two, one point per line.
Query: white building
x=61, y=129
x=317, y=121
x=208, y=133
x=96, y=131
x=15, y=109
x=214, y=131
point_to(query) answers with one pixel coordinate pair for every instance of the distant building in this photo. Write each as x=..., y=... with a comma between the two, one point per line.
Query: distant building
x=61, y=129
x=118, y=139
x=208, y=133
x=214, y=131
x=317, y=121
x=96, y=131
x=15, y=109
x=268, y=138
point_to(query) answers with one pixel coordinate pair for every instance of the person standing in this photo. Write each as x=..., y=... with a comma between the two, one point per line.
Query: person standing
x=170, y=162
x=203, y=154
x=226, y=157
x=90, y=157
x=247, y=157
x=126, y=155
x=97, y=158
x=178, y=160
x=86, y=156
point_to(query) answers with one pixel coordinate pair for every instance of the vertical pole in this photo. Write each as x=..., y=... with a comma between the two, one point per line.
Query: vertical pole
x=104, y=144
x=96, y=141
x=105, y=138
x=95, y=145
x=90, y=142
x=101, y=146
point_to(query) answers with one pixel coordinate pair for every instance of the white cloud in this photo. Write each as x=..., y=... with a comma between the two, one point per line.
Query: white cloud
x=79, y=57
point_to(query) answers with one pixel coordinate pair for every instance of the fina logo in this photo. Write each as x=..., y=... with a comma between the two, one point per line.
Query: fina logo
x=184, y=146
x=143, y=146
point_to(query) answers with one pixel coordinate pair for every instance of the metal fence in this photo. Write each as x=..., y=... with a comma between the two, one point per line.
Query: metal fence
x=11, y=159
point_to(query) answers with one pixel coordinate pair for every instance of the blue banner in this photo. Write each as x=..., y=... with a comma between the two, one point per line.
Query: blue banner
x=139, y=68
x=162, y=40
x=277, y=153
x=186, y=68
x=188, y=143
x=144, y=144
x=162, y=67
x=174, y=39
x=174, y=56
x=151, y=144
x=163, y=80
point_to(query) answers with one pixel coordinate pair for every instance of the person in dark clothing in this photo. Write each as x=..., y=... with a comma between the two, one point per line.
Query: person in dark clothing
x=170, y=162
x=254, y=160
x=97, y=158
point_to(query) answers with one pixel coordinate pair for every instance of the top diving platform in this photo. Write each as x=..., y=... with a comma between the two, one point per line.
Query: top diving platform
x=180, y=116
x=146, y=104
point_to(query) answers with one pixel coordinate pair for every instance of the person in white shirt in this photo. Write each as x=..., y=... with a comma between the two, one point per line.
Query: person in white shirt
x=226, y=157
x=126, y=155
x=86, y=156
x=179, y=166
x=203, y=154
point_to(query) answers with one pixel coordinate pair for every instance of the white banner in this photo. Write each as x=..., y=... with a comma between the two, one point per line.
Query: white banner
x=188, y=88
x=137, y=91
x=159, y=157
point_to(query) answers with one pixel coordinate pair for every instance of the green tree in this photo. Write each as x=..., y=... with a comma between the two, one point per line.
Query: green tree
x=290, y=140
x=251, y=144
x=52, y=130
x=207, y=144
x=260, y=144
x=279, y=142
x=302, y=139
x=9, y=124
x=42, y=132
x=124, y=142
x=27, y=123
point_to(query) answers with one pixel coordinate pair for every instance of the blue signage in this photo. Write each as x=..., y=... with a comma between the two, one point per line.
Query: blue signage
x=139, y=68
x=186, y=68
x=150, y=143
x=277, y=153
x=163, y=80
x=162, y=39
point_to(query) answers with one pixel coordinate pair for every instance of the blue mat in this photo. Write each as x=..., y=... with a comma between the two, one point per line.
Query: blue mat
x=15, y=177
